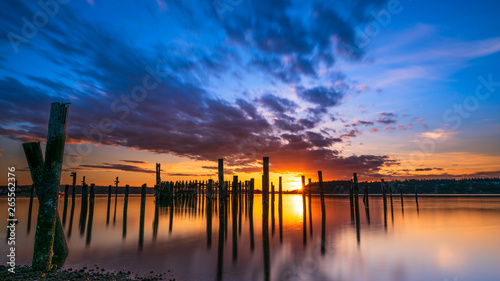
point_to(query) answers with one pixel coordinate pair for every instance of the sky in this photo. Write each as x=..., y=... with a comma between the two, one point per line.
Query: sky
x=386, y=89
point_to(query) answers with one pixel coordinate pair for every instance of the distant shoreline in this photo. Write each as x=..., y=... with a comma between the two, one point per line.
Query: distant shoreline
x=27, y=195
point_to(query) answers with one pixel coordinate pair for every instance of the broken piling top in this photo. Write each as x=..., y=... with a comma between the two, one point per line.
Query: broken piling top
x=158, y=176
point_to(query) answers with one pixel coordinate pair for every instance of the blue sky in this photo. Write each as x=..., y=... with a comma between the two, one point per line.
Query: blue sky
x=373, y=87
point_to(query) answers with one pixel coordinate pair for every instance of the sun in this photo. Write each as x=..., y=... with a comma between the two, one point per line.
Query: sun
x=293, y=185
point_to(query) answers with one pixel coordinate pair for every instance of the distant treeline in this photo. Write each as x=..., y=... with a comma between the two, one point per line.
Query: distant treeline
x=433, y=186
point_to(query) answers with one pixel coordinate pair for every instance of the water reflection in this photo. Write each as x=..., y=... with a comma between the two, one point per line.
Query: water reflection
x=452, y=230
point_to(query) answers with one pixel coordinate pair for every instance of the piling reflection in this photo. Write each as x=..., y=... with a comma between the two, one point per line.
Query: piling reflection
x=84, y=207
x=192, y=236
x=91, y=214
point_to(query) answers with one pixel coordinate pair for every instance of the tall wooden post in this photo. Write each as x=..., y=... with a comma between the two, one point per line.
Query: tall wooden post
x=109, y=204
x=49, y=187
x=158, y=175
x=34, y=157
x=65, y=208
x=385, y=203
x=356, y=204
x=351, y=201
x=91, y=213
x=323, y=212
x=73, y=191
x=141, y=222
x=309, y=189
x=222, y=193
x=265, y=183
x=304, y=213
x=280, y=208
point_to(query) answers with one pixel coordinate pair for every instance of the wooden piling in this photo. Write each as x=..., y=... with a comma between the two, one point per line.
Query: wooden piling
x=323, y=212
x=125, y=210
x=280, y=209
x=304, y=213
x=272, y=209
x=309, y=189
x=49, y=188
x=385, y=203
x=65, y=208
x=265, y=183
x=143, y=209
x=356, y=204
x=73, y=191
x=222, y=193
x=109, y=205
x=91, y=214
x=351, y=201
x=234, y=213
x=34, y=158
x=84, y=206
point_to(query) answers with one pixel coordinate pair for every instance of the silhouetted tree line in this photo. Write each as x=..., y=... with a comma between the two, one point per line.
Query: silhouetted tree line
x=424, y=186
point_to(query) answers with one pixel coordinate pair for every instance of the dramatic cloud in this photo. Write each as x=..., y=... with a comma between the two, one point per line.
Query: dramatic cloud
x=322, y=96
x=386, y=118
x=159, y=96
x=119, y=167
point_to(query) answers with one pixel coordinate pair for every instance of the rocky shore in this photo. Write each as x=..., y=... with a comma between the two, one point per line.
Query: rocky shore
x=26, y=273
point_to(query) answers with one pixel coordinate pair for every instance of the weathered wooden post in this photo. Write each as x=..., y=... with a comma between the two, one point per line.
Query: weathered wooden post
x=265, y=217
x=209, y=189
x=84, y=207
x=209, y=213
x=351, y=201
x=356, y=204
x=272, y=209
x=65, y=208
x=367, y=203
x=235, y=188
x=323, y=211
x=109, y=204
x=222, y=193
x=143, y=210
x=158, y=174
x=384, y=198
x=309, y=188
x=73, y=191
x=252, y=188
x=50, y=178
x=234, y=214
x=34, y=157
x=125, y=210
x=365, y=197
x=91, y=213
x=265, y=184
x=280, y=208
x=304, y=213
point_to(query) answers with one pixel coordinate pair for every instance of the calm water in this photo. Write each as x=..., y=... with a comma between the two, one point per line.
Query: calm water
x=446, y=239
